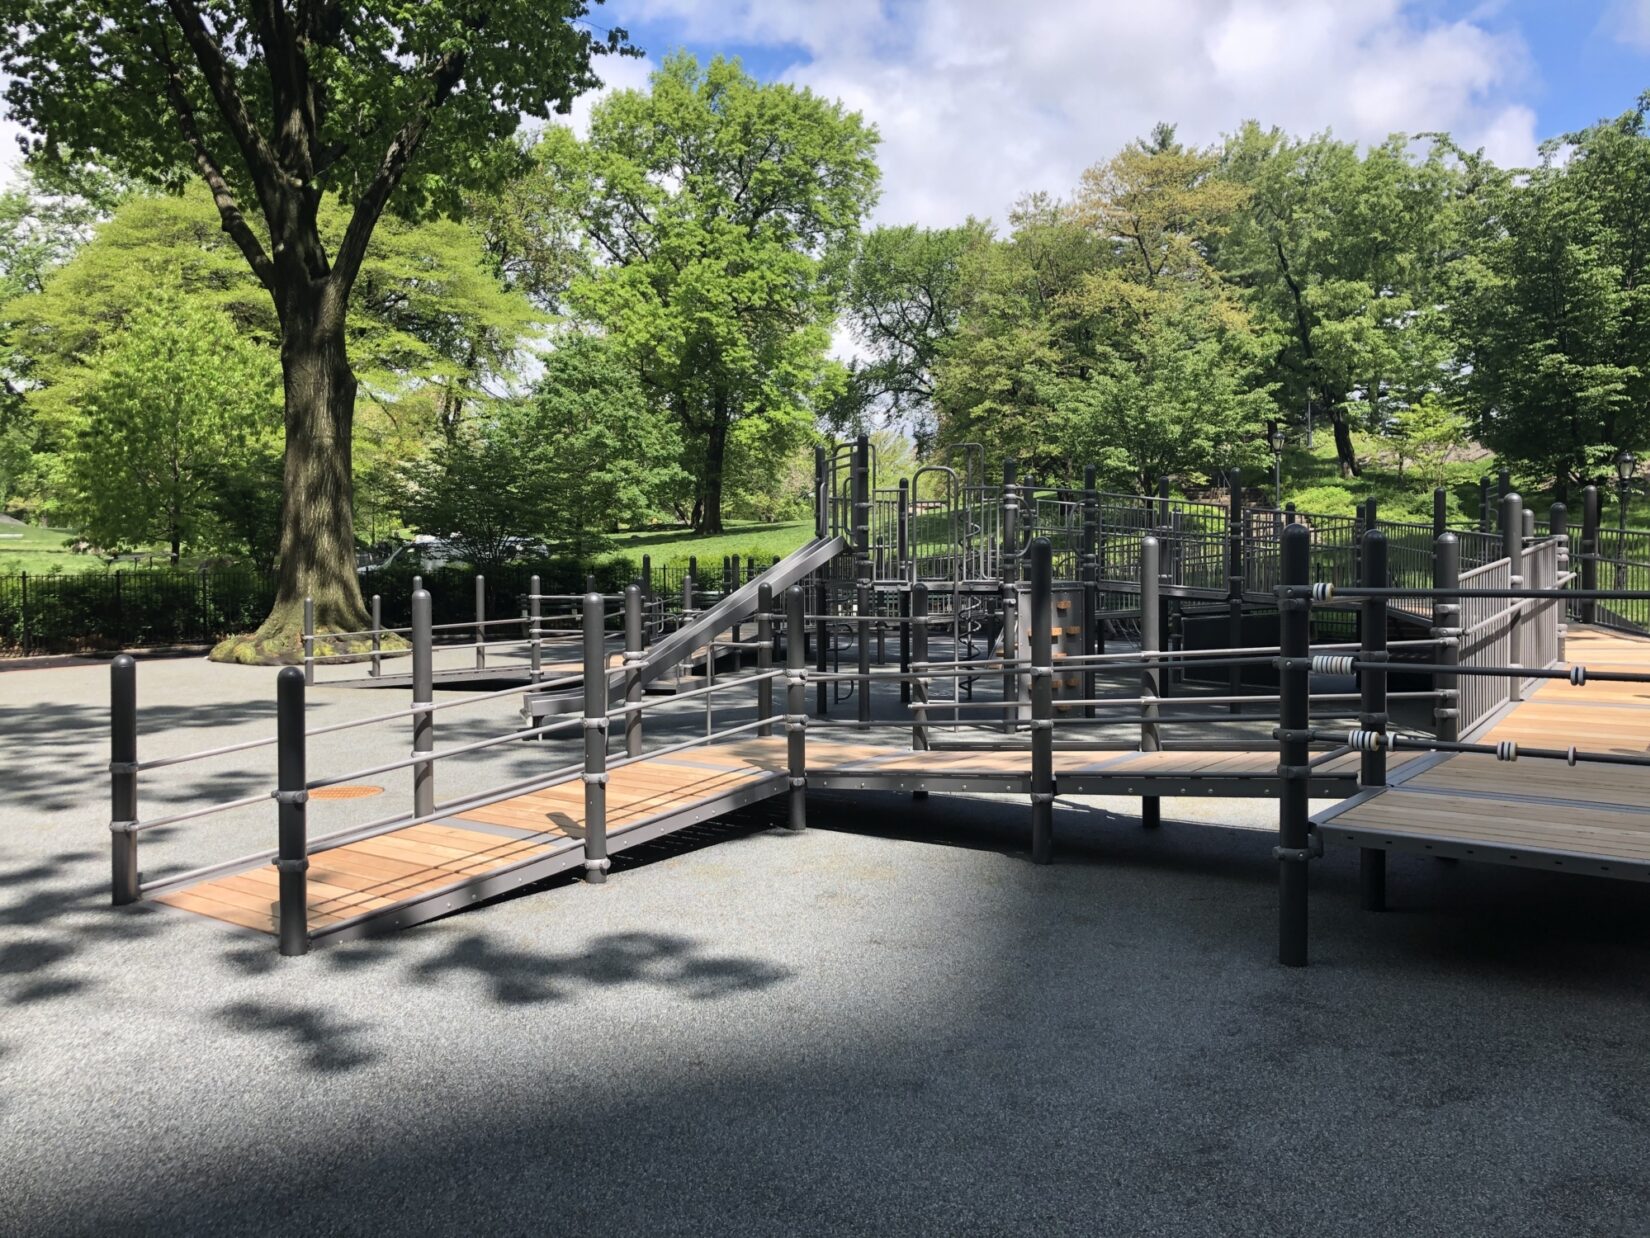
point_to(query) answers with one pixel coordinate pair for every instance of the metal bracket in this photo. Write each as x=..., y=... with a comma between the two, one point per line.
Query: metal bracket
x=594, y=724
x=1312, y=851
x=1043, y=797
x=797, y=782
x=292, y=866
x=1293, y=773
x=290, y=797
x=594, y=780
x=123, y=827
x=1039, y=724
x=125, y=767
x=1288, y=734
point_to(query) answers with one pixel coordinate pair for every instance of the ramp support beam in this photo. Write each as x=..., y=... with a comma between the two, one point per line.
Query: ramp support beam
x=596, y=862
x=1151, y=579
x=292, y=802
x=423, y=693
x=796, y=707
x=123, y=772
x=1294, y=690
x=1042, y=702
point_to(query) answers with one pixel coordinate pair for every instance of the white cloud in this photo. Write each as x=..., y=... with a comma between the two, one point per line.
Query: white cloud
x=979, y=101
x=1628, y=21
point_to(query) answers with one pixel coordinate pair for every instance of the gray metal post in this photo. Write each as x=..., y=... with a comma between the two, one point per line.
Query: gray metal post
x=907, y=572
x=687, y=595
x=1558, y=526
x=822, y=646
x=481, y=622
x=1528, y=529
x=1008, y=569
x=919, y=658
x=1440, y=512
x=633, y=655
x=596, y=863
x=1089, y=574
x=862, y=573
x=1512, y=548
x=796, y=707
x=123, y=772
x=309, y=639
x=1294, y=716
x=535, y=626
x=764, y=656
x=647, y=601
x=292, y=800
x=423, y=693
x=1372, y=709
x=1234, y=582
x=822, y=498
x=1042, y=701
x=1446, y=627
x=377, y=635
x=1151, y=807
x=1589, y=551
x=1484, y=504
x=1011, y=643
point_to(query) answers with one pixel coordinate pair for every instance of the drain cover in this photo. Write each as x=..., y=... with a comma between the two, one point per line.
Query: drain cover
x=345, y=792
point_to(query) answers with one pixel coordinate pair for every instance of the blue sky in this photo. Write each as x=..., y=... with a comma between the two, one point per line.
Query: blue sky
x=978, y=100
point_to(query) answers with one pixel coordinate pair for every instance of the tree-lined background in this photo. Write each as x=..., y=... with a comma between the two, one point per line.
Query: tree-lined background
x=263, y=301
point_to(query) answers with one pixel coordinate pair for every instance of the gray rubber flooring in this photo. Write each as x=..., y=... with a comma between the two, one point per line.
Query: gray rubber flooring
x=893, y=1023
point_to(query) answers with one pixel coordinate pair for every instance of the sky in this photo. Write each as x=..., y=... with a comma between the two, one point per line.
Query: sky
x=980, y=101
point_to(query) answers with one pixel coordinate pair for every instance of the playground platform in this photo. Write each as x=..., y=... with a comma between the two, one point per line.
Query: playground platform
x=1588, y=818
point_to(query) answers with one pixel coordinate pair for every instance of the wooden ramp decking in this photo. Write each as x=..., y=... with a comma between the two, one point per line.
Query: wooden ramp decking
x=1530, y=812
x=401, y=877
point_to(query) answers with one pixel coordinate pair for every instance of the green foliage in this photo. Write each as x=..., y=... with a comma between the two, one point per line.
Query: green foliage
x=567, y=465
x=180, y=403
x=1431, y=434
x=718, y=209
x=1552, y=307
x=127, y=80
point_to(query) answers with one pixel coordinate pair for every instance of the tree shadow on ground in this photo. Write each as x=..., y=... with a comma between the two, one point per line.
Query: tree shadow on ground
x=326, y=1042
x=658, y=960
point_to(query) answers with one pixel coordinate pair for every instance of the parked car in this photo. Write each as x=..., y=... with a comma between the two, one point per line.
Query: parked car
x=421, y=554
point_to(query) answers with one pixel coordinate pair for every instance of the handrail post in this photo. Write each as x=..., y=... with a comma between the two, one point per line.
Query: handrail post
x=535, y=629
x=1589, y=552
x=596, y=863
x=796, y=707
x=919, y=658
x=123, y=774
x=1042, y=701
x=1294, y=716
x=633, y=655
x=309, y=639
x=822, y=642
x=1151, y=806
x=1512, y=549
x=764, y=657
x=377, y=635
x=1011, y=645
x=1090, y=576
x=862, y=574
x=821, y=495
x=1484, y=503
x=907, y=572
x=1558, y=528
x=647, y=600
x=1010, y=501
x=1234, y=583
x=481, y=622
x=1446, y=628
x=423, y=693
x=292, y=800
x=1372, y=685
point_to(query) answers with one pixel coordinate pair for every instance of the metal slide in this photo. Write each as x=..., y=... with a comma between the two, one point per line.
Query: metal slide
x=679, y=645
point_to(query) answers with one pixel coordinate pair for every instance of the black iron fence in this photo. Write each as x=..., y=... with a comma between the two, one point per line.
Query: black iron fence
x=156, y=607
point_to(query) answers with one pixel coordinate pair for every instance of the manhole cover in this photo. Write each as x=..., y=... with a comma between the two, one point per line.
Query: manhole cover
x=345, y=792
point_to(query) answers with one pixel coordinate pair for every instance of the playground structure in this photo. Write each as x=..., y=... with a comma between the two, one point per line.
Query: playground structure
x=1024, y=638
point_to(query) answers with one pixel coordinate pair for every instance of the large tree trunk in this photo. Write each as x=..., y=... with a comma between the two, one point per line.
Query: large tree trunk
x=716, y=454
x=317, y=548
x=1344, y=453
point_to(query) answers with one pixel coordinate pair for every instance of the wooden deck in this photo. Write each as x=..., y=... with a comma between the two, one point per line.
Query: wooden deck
x=1531, y=812
x=402, y=876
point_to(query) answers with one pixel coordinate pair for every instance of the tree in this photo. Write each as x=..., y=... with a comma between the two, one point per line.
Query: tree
x=181, y=402
x=1552, y=305
x=903, y=301
x=567, y=465
x=719, y=210
x=1432, y=434
x=280, y=103
x=430, y=329
x=1342, y=258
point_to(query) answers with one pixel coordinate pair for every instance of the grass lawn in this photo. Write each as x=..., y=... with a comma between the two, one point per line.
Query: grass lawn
x=37, y=551
x=675, y=545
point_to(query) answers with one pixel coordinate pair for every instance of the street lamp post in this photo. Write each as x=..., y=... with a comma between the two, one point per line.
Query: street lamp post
x=1626, y=462
x=1274, y=440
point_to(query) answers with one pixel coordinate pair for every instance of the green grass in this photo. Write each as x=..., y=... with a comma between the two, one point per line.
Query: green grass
x=675, y=545
x=38, y=551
